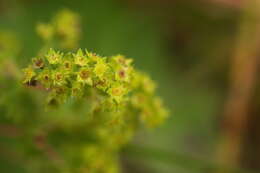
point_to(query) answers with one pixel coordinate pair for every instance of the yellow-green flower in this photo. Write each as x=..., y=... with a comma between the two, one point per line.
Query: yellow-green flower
x=38, y=62
x=29, y=73
x=54, y=57
x=162, y=112
x=59, y=78
x=80, y=58
x=100, y=68
x=67, y=65
x=102, y=84
x=45, y=31
x=138, y=100
x=120, y=59
x=123, y=74
x=67, y=23
x=148, y=85
x=67, y=26
x=93, y=57
x=143, y=82
x=84, y=76
x=117, y=92
x=45, y=78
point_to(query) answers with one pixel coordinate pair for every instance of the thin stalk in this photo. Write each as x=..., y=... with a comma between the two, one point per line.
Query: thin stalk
x=244, y=64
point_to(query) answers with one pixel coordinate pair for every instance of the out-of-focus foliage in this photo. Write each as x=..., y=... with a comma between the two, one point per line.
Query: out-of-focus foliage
x=185, y=45
x=9, y=45
x=64, y=29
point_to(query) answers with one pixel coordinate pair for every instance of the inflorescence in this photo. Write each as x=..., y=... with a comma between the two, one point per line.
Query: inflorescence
x=112, y=98
x=77, y=75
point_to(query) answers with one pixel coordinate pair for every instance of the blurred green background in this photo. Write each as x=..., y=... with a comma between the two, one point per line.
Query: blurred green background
x=185, y=45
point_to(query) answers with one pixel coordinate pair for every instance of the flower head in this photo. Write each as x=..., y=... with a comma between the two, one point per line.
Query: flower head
x=148, y=85
x=93, y=57
x=38, y=62
x=45, y=78
x=123, y=74
x=84, y=76
x=100, y=68
x=45, y=31
x=67, y=26
x=117, y=92
x=67, y=65
x=54, y=57
x=121, y=60
x=29, y=73
x=80, y=58
x=59, y=78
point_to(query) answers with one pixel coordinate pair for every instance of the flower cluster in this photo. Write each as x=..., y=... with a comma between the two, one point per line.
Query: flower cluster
x=64, y=29
x=74, y=74
x=103, y=99
x=120, y=98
